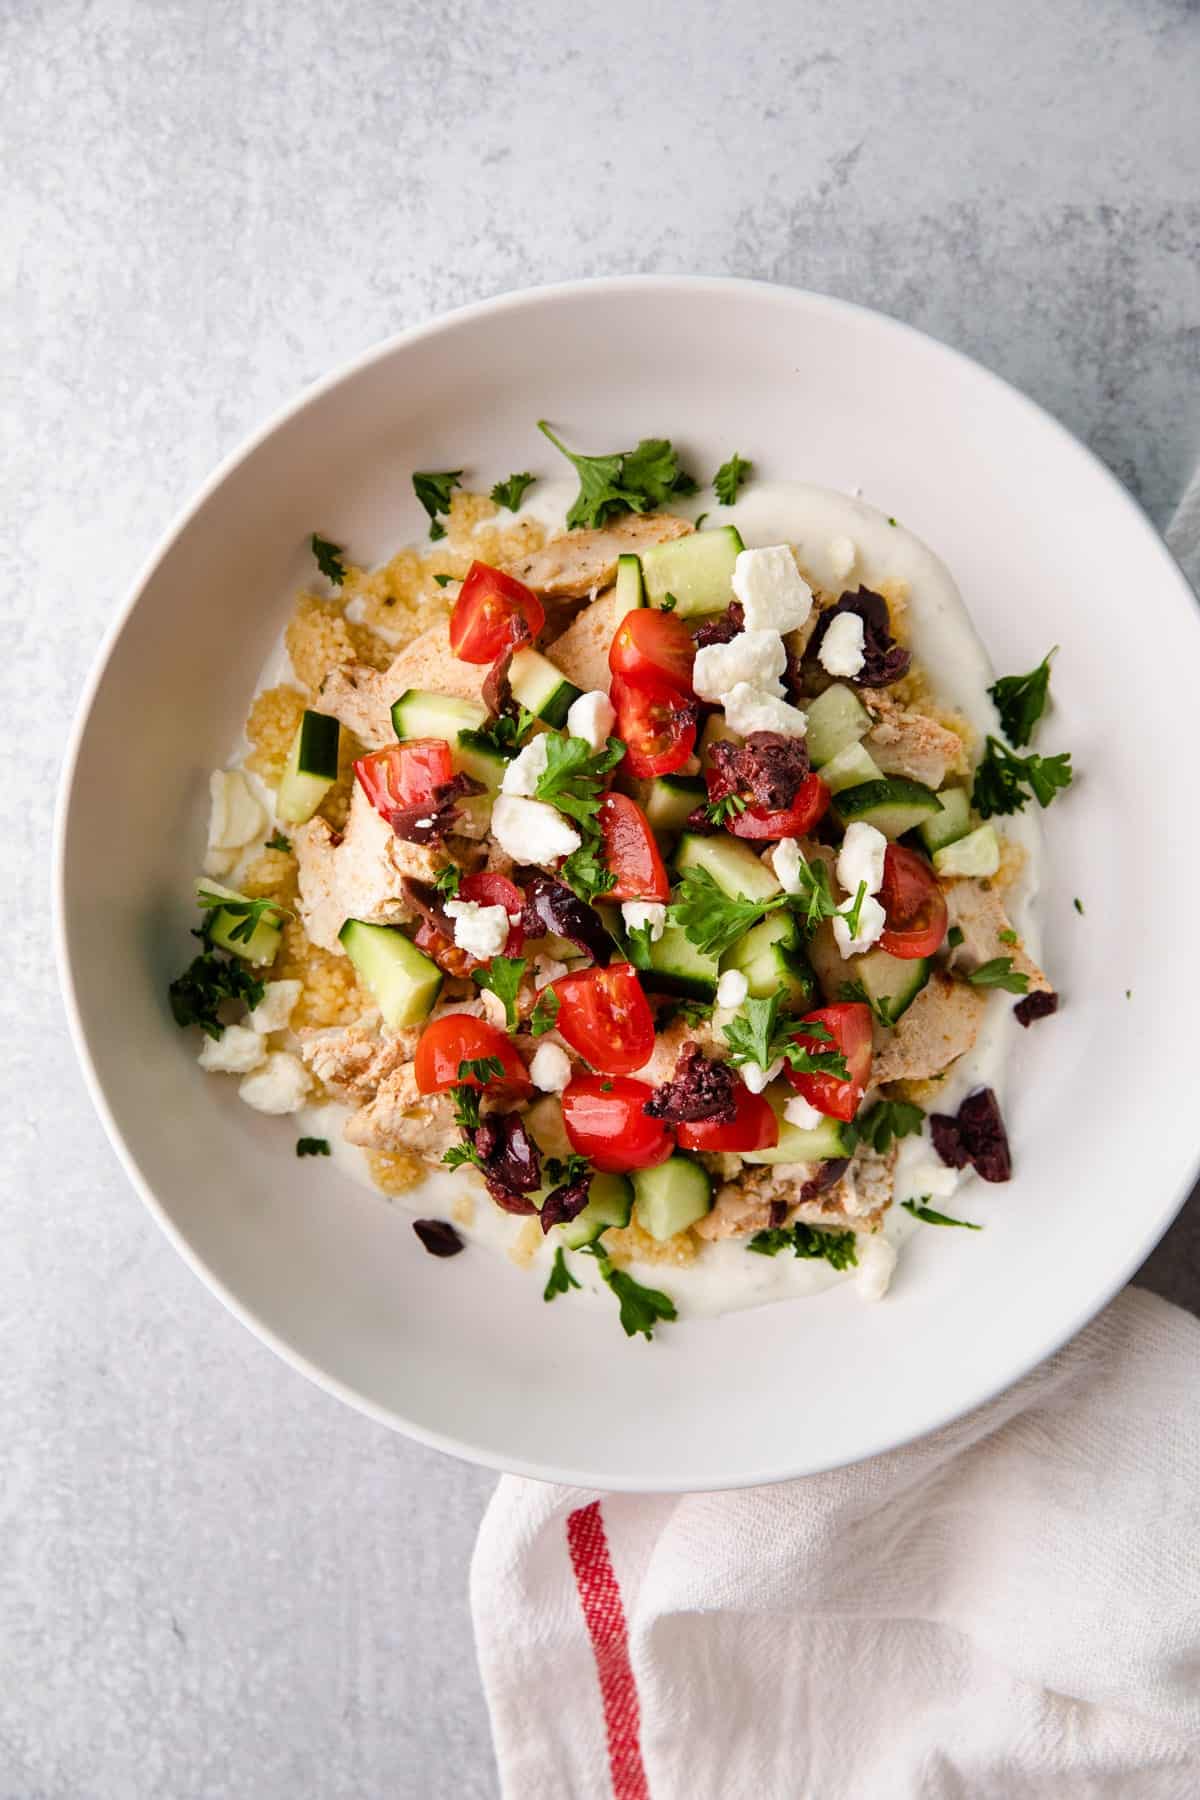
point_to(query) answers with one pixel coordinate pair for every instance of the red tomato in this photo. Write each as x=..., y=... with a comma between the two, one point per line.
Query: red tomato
x=404, y=774
x=914, y=903
x=655, y=723
x=753, y=1127
x=849, y=1028
x=444, y=951
x=631, y=852
x=606, y=1018
x=459, y=1038
x=653, y=645
x=493, y=613
x=487, y=889
x=605, y=1120
x=797, y=820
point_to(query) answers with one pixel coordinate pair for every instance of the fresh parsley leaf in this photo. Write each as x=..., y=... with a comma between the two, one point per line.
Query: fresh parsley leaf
x=1005, y=782
x=433, y=490
x=929, y=1217
x=638, y=939
x=483, y=1068
x=510, y=493
x=573, y=777
x=445, y=580
x=692, y=1012
x=446, y=880
x=502, y=736
x=248, y=913
x=641, y=1307
x=208, y=979
x=668, y=603
x=458, y=1154
x=560, y=1279
x=466, y=1111
x=574, y=1168
x=277, y=841
x=585, y=871
x=886, y=1120
x=719, y=812
x=700, y=520
x=853, y=912
x=625, y=481
x=1021, y=700
x=836, y=1247
x=814, y=899
x=545, y=1012
x=729, y=478
x=502, y=977
x=757, y=1034
x=313, y=1147
x=954, y=937
x=854, y=990
x=1077, y=903
x=999, y=973
x=329, y=559
x=1007, y=937
x=708, y=917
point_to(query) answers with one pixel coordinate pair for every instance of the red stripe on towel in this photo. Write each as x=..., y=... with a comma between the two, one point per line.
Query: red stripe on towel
x=604, y=1616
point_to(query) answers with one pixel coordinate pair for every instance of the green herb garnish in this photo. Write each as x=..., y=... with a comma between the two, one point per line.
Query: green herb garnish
x=886, y=1120
x=642, y=1308
x=198, y=992
x=635, y=481
x=719, y=812
x=585, y=871
x=248, y=913
x=502, y=736
x=573, y=779
x=1021, y=700
x=709, y=918
x=574, y=1168
x=854, y=990
x=433, y=490
x=483, y=1069
x=560, y=1278
x=277, y=841
x=928, y=1217
x=758, y=1035
x=729, y=478
x=329, y=559
x=836, y=1247
x=545, y=1012
x=313, y=1147
x=445, y=580
x=447, y=880
x=999, y=973
x=502, y=977
x=1007, y=937
x=954, y=937
x=668, y=603
x=1005, y=782
x=511, y=492
x=1077, y=903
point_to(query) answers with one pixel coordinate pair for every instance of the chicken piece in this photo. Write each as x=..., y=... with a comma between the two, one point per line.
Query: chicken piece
x=741, y=1208
x=670, y=1042
x=942, y=1022
x=402, y=1118
x=357, y=875
x=581, y=562
x=353, y=1060
x=582, y=650
x=978, y=911
x=911, y=743
x=361, y=697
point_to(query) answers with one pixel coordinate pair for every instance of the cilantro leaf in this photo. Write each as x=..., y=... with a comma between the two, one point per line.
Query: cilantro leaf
x=313, y=1147
x=502, y=736
x=573, y=777
x=502, y=977
x=560, y=1278
x=277, y=841
x=929, y=1217
x=248, y=913
x=329, y=559
x=433, y=490
x=709, y=918
x=1021, y=700
x=510, y=493
x=545, y=1012
x=641, y=1307
x=625, y=481
x=886, y=1120
x=999, y=973
x=729, y=478
x=837, y=1248
x=446, y=880
x=1005, y=781
x=208, y=979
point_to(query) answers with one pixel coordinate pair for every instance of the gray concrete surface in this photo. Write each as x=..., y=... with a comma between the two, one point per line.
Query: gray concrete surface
x=213, y=1581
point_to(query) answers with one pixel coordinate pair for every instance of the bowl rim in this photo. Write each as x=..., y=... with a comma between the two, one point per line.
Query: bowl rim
x=679, y=285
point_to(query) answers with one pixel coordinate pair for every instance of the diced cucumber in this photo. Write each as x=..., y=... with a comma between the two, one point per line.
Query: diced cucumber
x=891, y=983
x=849, y=768
x=831, y=1138
x=311, y=768
x=402, y=978
x=667, y=801
x=893, y=805
x=481, y=761
x=951, y=821
x=631, y=590
x=545, y=1122
x=262, y=944
x=835, y=718
x=678, y=967
x=610, y=1202
x=419, y=714
x=697, y=570
x=672, y=1196
x=976, y=854
x=769, y=959
x=732, y=865
x=537, y=684
x=716, y=731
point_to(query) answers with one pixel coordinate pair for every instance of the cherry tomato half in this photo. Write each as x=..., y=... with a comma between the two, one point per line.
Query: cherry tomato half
x=630, y=851
x=605, y=1017
x=605, y=1120
x=486, y=889
x=493, y=613
x=459, y=1038
x=753, y=1127
x=404, y=774
x=656, y=724
x=914, y=903
x=653, y=645
x=849, y=1029
x=797, y=820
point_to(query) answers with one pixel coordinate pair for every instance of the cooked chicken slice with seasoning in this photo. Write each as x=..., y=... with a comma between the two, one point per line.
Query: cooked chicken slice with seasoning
x=978, y=911
x=941, y=1024
x=357, y=875
x=582, y=562
x=910, y=743
x=362, y=697
x=581, y=653
x=668, y=1044
x=402, y=1118
x=353, y=1060
x=740, y=1209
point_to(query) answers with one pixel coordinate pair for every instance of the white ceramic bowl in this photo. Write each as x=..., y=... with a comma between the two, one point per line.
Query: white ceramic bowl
x=1047, y=548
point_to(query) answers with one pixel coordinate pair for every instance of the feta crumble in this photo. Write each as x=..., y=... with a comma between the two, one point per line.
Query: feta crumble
x=754, y=657
x=479, y=930
x=861, y=858
x=773, y=593
x=749, y=709
x=530, y=831
x=526, y=768
x=876, y=1264
x=550, y=1068
x=276, y=1006
x=798, y=1112
x=732, y=988
x=841, y=651
x=932, y=1181
x=787, y=860
x=235, y=1052
x=591, y=717
x=871, y=921
x=280, y=1086
x=843, y=554
x=637, y=913
x=757, y=1078
x=235, y=817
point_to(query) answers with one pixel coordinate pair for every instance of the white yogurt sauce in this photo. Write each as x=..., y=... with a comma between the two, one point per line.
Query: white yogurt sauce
x=725, y=1276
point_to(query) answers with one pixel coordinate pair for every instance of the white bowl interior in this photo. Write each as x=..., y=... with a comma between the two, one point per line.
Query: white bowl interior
x=1046, y=548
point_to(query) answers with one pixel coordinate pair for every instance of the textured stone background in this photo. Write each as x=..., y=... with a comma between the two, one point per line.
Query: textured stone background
x=213, y=1580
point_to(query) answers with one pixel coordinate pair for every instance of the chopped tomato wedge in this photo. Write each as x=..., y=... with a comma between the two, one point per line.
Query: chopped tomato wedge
x=914, y=904
x=404, y=774
x=486, y=889
x=605, y=1120
x=494, y=612
x=630, y=851
x=459, y=1038
x=849, y=1032
x=653, y=645
x=753, y=1126
x=797, y=820
x=656, y=724
x=605, y=1017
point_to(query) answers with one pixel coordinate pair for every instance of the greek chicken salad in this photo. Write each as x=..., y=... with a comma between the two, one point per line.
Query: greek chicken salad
x=638, y=881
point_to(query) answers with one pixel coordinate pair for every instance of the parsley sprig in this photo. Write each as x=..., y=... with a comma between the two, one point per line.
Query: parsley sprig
x=642, y=1308
x=465, y=1100
x=1005, y=782
x=758, y=1035
x=626, y=481
x=886, y=1120
x=999, y=973
x=329, y=559
x=208, y=979
x=248, y=913
x=511, y=492
x=836, y=1247
x=573, y=780
x=709, y=917
x=854, y=990
x=310, y=1146
x=502, y=737
x=928, y=1217
x=570, y=1168
x=729, y=478
x=719, y=812
x=433, y=489
x=560, y=1278
x=1021, y=700
x=545, y=1012
x=447, y=880
x=502, y=977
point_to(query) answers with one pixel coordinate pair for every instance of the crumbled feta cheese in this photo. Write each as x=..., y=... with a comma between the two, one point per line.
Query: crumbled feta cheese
x=592, y=716
x=732, y=988
x=749, y=709
x=787, y=860
x=871, y=921
x=876, y=1263
x=235, y=1052
x=235, y=817
x=773, y=593
x=756, y=1077
x=861, y=858
x=932, y=1179
x=526, y=768
x=276, y=1006
x=756, y=657
x=550, y=1068
x=280, y=1086
x=479, y=930
x=841, y=651
x=220, y=862
x=843, y=554
x=798, y=1112
x=530, y=831
x=637, y=913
